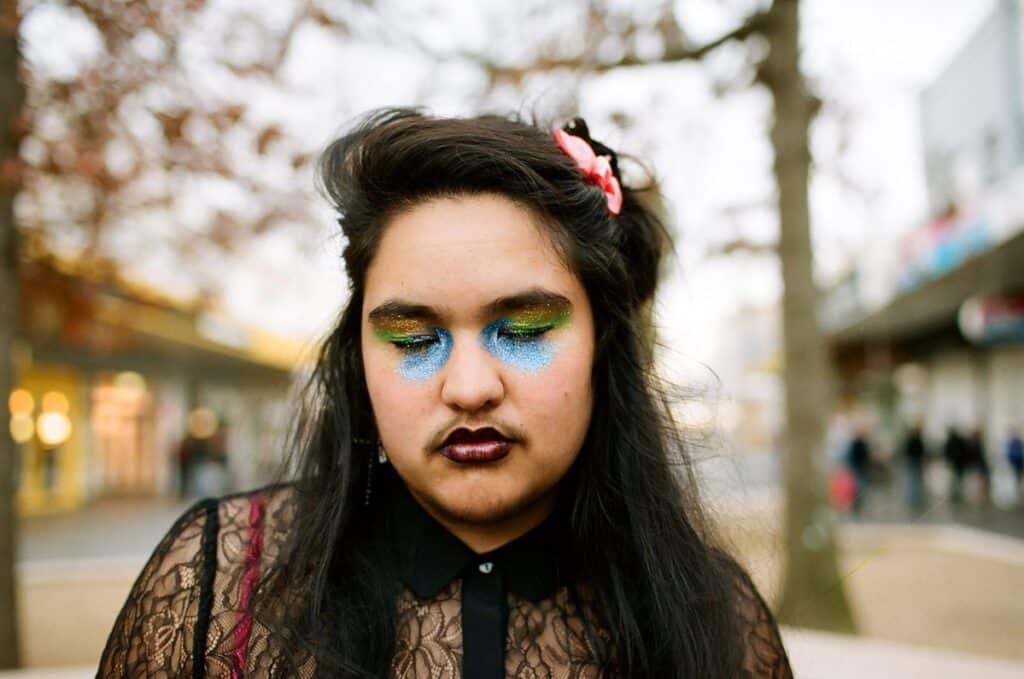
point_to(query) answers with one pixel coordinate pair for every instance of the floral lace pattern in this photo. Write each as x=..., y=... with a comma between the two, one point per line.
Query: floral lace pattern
x=546, y=639
x=188, y=597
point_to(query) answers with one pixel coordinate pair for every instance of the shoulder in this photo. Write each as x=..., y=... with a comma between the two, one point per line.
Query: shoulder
x=173, y=566
x=253, y=525
x=270, y=509
x=185, y=591
x=764, y=654
x=150, y=634
x=220, y=526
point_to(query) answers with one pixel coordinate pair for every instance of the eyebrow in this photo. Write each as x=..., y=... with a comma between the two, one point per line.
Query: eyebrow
x=398, y=309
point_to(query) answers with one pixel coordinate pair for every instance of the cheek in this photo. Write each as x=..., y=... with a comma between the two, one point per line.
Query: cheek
x=560, y=394
x=396, y=399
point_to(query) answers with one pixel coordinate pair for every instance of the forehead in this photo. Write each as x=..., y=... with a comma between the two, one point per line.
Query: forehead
x=462, y=252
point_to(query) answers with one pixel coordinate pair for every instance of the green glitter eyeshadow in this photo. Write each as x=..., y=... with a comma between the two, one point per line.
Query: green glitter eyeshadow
x=539, y=318
x=398, y=330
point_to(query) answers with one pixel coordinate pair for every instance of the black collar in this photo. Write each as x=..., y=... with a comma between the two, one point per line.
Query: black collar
x=430, y=557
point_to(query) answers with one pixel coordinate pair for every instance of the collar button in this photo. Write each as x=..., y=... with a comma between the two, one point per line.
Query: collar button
x=486, y=567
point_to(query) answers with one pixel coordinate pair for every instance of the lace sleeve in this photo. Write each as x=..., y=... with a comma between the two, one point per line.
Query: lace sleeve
x=168, y=606
x=765, y=656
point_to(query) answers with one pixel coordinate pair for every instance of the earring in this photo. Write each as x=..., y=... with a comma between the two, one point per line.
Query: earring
x=369, y=481
x=382, y=455
x=368, y=443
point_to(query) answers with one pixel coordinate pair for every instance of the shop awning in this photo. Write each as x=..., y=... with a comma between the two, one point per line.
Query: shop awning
x=934, y=304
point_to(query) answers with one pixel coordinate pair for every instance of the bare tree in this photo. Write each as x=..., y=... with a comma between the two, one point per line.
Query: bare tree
x=11, y=97
x=161, y=109
x=812, y=592
x=126, y=137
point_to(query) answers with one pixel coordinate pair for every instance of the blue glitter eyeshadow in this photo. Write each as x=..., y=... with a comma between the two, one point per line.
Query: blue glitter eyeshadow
x=526, y=353
x=422, y=364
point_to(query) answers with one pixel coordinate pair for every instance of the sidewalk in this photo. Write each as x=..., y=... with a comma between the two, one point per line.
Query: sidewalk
x=815, y=655
x=104, y=529
x=74, y=572
x=948, y=587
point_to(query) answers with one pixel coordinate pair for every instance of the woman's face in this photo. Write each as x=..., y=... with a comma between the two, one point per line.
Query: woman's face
x=471, y=321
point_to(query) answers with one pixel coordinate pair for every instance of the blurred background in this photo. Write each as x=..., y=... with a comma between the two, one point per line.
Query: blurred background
x=846, y=308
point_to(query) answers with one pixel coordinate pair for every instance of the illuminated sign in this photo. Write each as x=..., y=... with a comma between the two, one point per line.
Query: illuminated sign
x=993, y=319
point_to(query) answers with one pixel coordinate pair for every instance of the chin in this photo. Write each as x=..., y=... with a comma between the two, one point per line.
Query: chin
x=482, y=505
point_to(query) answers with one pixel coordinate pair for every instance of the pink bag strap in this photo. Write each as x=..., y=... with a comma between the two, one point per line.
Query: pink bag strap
x=252, y=572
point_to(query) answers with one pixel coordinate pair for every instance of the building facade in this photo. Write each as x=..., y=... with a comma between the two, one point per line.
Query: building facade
x=943, y=345
x=108, y=374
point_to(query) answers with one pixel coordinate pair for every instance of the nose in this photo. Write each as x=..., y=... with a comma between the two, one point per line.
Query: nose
x=471, y=379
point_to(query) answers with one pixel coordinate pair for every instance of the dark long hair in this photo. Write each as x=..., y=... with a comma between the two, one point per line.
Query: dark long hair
x=637, y=528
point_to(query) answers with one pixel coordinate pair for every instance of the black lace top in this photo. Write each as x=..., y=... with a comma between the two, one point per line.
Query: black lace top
x=189, y=614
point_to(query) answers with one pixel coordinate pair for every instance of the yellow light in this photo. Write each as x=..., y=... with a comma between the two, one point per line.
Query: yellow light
x=22, y=428
x=202, y=423
x=53, y=428
x=130, y=380
x=21, y=402
x=55, y=402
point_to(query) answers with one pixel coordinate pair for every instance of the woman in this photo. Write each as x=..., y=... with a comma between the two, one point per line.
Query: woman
x=487, y=479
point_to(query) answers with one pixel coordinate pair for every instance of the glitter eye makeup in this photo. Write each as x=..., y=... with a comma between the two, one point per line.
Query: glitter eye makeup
x=517, y=337
x=519, y=341
x=425, y=350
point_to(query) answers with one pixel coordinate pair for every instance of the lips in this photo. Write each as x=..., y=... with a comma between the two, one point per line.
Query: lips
x=473, y=446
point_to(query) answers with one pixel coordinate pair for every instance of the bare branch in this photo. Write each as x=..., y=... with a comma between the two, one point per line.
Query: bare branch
x=743, y=246
x=676, y=50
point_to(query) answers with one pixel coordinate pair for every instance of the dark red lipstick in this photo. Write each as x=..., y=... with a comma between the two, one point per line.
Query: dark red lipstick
x=480, y=445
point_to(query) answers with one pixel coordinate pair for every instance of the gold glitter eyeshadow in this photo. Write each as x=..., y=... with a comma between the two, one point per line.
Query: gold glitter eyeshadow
x=398, y=328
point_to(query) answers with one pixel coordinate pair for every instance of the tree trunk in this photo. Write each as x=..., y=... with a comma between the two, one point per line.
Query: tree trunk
x=11, y=97
x=812, y=591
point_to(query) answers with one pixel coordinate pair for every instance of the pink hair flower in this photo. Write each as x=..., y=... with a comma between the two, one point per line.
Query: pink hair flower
x=595, y=167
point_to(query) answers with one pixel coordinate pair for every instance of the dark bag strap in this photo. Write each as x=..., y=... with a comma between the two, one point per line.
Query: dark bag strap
x=209, y=546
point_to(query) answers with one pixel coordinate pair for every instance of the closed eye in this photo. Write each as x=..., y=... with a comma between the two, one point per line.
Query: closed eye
x=524, y=333
x=416, y=343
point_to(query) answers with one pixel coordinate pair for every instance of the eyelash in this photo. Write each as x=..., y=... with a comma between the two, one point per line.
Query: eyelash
x=528, y=333
x=414, y=344
x=422, y=342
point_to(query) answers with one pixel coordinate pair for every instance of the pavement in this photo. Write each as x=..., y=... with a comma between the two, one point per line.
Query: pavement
x=106, y=528
x=949, y=587
x=815, y=655
x=83, y=563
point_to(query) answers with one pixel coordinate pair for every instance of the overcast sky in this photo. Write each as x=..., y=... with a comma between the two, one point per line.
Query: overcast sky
x=870, y=58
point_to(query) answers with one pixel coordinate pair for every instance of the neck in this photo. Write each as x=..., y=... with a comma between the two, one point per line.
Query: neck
x=486, y=537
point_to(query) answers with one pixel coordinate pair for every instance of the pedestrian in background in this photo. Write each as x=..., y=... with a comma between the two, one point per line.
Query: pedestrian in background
x=210, y=476
x=914, y=453
x=858, y=457
x=1015, y=456
x=977, y=461
x=191, y=453
x=955, y=454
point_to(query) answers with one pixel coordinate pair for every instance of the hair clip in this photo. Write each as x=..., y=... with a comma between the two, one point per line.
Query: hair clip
x=597, y=168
